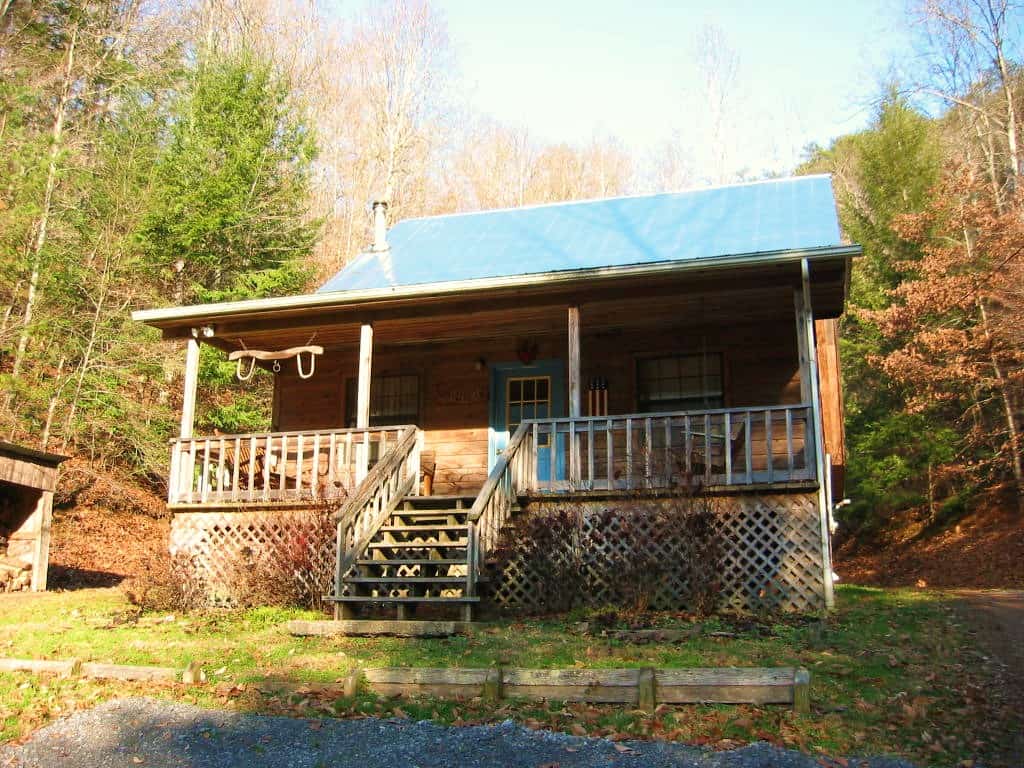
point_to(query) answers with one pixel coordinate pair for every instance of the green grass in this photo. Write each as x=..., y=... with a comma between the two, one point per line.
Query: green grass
x=888, y=671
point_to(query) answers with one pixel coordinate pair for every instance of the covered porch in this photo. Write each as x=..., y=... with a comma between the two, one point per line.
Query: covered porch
x=616, y=387
x=433, y=419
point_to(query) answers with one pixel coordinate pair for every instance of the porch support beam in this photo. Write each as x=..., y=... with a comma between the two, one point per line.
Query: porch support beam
x=575, y=395
x=188, y=402
x=810, y=388
x=363, y=397
x=365, y=364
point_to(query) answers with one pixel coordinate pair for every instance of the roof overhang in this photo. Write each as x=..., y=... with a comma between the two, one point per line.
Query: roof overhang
x=177, y=321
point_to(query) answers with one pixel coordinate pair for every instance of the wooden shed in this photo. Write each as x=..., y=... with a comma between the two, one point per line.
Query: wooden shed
x=27, y=481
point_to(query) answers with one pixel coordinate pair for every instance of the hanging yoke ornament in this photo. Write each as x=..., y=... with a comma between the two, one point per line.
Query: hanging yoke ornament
x=276, y=357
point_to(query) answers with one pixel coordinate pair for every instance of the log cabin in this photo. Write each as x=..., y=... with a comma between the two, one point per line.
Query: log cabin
x=469, y=368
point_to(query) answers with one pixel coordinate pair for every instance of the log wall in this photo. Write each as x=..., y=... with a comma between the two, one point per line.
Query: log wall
x=759, y=360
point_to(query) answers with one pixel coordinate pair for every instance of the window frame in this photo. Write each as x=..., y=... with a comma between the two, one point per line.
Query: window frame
x=543, y=440
x=352, y=395
x=718, y=400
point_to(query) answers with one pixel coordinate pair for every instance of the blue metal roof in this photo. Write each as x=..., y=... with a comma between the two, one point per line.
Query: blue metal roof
x=776, y=215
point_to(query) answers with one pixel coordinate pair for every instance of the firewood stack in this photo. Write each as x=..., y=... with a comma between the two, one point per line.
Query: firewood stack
x=15, y=573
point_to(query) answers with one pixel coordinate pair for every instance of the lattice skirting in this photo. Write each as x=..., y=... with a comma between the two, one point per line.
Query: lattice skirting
x=214, y=546
x=766, y=553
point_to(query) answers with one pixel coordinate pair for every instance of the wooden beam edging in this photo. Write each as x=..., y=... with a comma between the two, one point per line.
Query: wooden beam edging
x=191, y=675
x=376, y=628
x=644, y=688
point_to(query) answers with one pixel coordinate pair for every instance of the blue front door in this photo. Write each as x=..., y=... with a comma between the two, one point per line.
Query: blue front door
x=520, y=392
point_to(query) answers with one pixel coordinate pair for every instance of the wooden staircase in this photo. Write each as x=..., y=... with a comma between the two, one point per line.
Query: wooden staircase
x=420, y=555
x=396, y=548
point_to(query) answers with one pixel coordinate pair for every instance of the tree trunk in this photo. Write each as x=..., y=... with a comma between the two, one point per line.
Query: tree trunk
x=1011, y=113
x=988, y=148
x=1009, y=409
x=83, y=366
x=44, y=439
x=931, y=493
x=57, y=135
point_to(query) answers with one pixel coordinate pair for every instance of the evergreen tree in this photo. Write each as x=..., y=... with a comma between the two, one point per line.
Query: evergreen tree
x=882, y=174
x=228, y=214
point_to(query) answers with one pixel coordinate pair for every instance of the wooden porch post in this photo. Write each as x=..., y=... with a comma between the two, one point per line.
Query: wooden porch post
x=575, y=397
x=180, y=466
x=810, y=390
x=363, y=398
x=188, y=403
x=40, y=563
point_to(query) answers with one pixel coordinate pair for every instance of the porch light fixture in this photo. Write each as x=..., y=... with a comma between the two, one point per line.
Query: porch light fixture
x=204, y=331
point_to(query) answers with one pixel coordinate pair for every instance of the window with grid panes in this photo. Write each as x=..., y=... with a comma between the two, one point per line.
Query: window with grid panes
x=680, y=383
x=527, y=397
x=393, y=400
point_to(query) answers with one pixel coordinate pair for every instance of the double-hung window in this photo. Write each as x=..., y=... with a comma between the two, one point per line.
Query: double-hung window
x=680, y=383
x=393, y=400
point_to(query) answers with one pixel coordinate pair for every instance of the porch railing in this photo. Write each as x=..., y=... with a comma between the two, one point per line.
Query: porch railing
x=722, y=446
x=393, y=478
x=497, y=499
x=274, y=467
x=726, y=446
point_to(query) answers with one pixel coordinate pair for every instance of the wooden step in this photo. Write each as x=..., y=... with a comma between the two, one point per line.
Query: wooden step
x=429, y=514
x=373, y=599
x=459, y=544
x=411, y=561
x=406, y=580
x=440, y=579
x=421, y=528
x=377, y=627
x=434, y=502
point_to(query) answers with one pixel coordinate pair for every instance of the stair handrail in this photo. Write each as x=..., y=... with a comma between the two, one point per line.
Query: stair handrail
x=392, y=478
x=500, y=493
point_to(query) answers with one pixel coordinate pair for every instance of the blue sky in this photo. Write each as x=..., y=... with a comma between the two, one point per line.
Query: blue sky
x=570, y=69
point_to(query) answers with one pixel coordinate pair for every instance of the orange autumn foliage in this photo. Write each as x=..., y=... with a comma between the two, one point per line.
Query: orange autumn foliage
x=956, y=324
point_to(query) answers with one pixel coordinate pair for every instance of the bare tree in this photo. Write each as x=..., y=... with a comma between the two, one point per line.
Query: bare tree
x=380, y=113
x=495, y=165
x=968, y=55
x=672, y=165
x=717, y=70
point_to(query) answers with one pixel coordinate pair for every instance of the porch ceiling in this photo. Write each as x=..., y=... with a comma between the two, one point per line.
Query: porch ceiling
x=747, y=304
x=405, y=311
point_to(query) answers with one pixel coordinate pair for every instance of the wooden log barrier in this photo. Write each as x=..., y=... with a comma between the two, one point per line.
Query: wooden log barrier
x=191, y=675
x=443, y=683
x=68, y=668
x=128, y=672
x=610, y=686
x=641, y=687
x=644, y=688
x=737, y=685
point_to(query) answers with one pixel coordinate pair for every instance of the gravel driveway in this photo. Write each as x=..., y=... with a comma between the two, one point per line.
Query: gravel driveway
x=159, y=734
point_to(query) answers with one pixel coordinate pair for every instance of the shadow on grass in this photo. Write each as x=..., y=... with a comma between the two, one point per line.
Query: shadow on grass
x=69, y=579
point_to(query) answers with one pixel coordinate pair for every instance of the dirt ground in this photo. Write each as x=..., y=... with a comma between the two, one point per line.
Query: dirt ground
x=984, y=550
x=980, y=561
x=996, y=617
x=93, y=546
